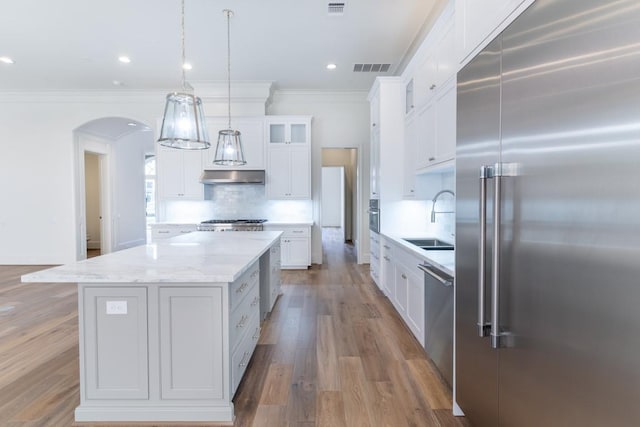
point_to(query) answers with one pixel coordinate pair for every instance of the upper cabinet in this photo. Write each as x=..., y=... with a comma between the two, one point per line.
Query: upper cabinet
x=178, y=173
x=252, y=137
x=283, y=130
x=288, y=157
x=478, y=22
x=387, y=134
x=439, y=64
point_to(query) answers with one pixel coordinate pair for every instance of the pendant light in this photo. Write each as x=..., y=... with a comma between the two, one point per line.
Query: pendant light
x=183, y=124
x=229, y=149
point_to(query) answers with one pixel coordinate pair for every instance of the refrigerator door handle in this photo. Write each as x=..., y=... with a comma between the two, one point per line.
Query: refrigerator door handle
x=495, y=265
x=486, y=172
x=500, y=171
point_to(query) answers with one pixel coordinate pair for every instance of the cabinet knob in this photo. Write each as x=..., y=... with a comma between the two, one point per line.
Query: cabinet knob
x=404, y=276
x=374, y=125
x=432, y=87
x=431, y=159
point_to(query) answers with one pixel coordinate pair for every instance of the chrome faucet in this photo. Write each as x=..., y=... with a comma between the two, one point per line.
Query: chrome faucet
x=433, y=206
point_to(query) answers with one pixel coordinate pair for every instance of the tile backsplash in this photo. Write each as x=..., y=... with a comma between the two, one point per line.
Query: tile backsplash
x=236, y=201
x=416, y=214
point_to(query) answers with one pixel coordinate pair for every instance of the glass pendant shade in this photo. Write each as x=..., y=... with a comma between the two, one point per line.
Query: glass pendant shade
x=229, y=149
x=183, y=124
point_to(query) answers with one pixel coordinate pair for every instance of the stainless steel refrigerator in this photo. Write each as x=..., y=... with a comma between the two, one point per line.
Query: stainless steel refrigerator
x=548, y=220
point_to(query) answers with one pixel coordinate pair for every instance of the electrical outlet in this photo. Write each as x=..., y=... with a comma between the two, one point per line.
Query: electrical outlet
x=116, y=307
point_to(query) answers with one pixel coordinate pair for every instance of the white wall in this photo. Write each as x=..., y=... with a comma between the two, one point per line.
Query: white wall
x=340, y=120
x=37, y=184
x=37, y=219
x=332, y=202
x=128, y=190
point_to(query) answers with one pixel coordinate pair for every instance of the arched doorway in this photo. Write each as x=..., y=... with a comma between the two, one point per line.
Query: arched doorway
x=109, y=181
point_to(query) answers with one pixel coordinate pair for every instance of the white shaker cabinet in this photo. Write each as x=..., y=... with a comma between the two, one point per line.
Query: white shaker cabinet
x=295, y=245
x=374, y=261
x=410, y=144
x=178, y=174
x=252, y=137
x=436, y=141
x=478, y=22
x=288, y=157
x=165, y=231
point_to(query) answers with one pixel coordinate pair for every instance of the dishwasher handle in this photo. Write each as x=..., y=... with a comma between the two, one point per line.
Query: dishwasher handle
x=444, y=281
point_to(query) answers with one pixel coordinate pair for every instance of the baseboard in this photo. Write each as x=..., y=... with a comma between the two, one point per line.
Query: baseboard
x=157, y=414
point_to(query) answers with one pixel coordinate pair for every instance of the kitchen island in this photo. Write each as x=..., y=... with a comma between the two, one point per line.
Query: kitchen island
x=166, y=330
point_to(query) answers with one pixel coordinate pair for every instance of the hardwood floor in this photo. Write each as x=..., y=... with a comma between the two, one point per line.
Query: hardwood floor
x=333, y=353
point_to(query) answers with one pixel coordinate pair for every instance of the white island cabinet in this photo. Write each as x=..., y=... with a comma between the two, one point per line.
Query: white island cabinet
x=167, y=329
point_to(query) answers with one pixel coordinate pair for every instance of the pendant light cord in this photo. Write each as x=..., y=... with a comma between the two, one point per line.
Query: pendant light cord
x=184, y=59
x=228, y=12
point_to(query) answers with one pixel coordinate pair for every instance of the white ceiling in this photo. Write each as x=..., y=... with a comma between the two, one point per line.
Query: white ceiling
x=74, y=44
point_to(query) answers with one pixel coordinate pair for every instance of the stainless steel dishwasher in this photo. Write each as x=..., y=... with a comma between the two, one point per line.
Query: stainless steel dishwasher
x=438, y=322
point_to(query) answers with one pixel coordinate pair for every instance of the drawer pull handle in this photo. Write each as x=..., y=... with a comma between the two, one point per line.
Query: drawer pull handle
x=404, y=276
x=242, y=322
x=256, y=334
x=242, y=288
x=386, y=246
x=243, y=362
x=255, y=301
x=163, y=232
x=386, y=258
x=298, y=231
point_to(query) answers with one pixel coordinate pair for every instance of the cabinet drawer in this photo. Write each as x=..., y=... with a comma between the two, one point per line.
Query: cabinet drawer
x=295, y=232
x=241, y=356
x=240, y=288
x=239, y=319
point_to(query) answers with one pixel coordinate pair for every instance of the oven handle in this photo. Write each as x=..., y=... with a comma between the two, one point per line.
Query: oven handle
x=444, y=281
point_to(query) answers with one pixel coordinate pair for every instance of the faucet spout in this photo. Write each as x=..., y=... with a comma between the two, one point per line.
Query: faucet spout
x=433, y=204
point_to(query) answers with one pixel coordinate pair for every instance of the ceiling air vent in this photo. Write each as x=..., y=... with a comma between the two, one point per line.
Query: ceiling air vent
x=371, y=68
x=336, y=8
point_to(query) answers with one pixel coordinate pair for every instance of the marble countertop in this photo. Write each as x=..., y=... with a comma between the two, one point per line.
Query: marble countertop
x=443, y=260
x=198, y=257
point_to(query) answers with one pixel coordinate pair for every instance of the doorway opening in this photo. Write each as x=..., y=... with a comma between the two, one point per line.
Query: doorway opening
x=93, y=203
x=339, y=198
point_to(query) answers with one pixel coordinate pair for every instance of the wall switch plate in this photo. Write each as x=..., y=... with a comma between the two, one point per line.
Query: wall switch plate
x=116, y=307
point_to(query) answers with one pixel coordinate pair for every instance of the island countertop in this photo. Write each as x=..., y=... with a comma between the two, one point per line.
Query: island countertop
x=198, y=257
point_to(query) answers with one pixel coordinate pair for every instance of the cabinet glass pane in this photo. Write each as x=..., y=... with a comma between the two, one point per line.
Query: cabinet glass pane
x=276, y=133
x=298, y=133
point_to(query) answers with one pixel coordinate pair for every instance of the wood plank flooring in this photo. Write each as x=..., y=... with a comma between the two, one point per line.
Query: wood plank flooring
x=333, y=353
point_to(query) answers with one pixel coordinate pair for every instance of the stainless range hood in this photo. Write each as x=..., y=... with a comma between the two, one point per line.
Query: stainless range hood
x=232, y=177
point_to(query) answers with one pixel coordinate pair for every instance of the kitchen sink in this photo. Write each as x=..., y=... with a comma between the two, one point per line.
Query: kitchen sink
x=431, y=244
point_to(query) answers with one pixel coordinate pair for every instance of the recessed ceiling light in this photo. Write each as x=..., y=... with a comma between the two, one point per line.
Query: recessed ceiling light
x=331, y=66
x=132, y=124
x=187, y=66
x=124, y=59
x=6, y=60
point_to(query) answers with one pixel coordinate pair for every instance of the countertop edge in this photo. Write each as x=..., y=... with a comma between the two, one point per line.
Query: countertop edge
x=398, y=240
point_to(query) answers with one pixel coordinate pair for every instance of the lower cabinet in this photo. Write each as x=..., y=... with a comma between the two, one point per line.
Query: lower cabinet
x=374, y=260
x=295, y=245
x=413, y=289
x=270, y=263
x=403, y=283
x=388, y=271
x=166, y=352
x=191, y=353
x=165, y=231
x=116, y=354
